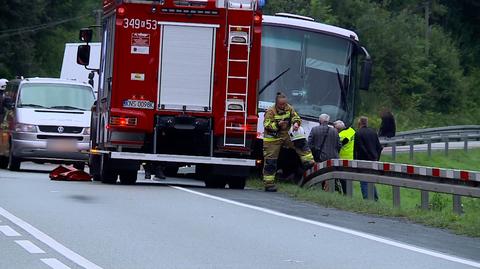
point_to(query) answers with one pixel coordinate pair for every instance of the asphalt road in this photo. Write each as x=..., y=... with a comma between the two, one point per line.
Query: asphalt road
x=179, y=224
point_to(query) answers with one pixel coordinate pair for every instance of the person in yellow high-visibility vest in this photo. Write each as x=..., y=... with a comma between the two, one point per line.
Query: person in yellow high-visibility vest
x=279, y=119
x=347, y=138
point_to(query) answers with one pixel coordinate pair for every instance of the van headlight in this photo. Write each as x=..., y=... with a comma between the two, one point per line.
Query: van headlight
x=86, y=131
x=25, y=128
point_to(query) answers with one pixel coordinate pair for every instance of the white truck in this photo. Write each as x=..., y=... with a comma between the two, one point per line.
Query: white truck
x=73, y=71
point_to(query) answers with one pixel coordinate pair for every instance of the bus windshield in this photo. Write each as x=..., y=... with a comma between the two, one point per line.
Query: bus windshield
x=319, y=77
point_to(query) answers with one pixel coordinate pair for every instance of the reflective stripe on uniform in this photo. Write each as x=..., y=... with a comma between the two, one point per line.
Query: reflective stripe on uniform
x=270, y=124
x=269, y=178
x=307, y=157
x=271, y=139
x=282, y=116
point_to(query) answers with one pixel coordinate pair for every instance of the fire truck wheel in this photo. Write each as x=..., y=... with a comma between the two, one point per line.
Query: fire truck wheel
x=214, y=182
x=171, y=171
x=237, y=183
x=128, y=177
x=107, y=174
x=94, y=163
x=79, y=166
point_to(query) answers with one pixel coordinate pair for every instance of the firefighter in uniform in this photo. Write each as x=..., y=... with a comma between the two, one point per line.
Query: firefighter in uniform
x=279, y=119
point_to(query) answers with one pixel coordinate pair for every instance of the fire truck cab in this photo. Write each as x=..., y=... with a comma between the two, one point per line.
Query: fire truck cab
x=178, y=85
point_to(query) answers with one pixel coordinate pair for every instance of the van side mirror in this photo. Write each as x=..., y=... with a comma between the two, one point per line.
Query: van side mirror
x=86, y=35
x=366, y=71
x=83, y=55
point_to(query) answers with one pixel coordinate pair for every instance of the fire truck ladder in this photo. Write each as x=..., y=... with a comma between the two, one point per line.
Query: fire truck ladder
x=236, y=101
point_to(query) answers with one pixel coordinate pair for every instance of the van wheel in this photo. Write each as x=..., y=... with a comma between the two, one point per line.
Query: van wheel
x=3, y=162
x=107, y=174
x=13, y=162
x=128, y=177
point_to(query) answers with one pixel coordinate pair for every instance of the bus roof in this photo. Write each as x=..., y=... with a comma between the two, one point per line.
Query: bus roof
x=293, y=22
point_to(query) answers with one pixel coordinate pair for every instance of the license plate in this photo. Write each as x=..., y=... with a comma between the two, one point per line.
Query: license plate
x=141, y=104
x=62, y=145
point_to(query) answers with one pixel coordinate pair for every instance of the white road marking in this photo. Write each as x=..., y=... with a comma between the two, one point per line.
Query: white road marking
x=47, y=240
x=29, y=246
x=8, y=231
x=54, y=263
x=340, y=229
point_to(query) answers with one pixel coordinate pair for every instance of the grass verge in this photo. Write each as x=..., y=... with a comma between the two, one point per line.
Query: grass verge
x=440, y=215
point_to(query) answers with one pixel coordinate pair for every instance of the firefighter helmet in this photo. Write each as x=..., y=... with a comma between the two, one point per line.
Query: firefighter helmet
x=298, y=134
x=3, y=84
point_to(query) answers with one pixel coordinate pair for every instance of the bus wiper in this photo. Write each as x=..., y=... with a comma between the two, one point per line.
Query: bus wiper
x=31, y=105
x=67, y=108
x=343, y=91
x=272, y=81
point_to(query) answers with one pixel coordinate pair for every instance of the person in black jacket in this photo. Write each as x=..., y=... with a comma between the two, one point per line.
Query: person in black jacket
x=367, y=147
x=388, y=126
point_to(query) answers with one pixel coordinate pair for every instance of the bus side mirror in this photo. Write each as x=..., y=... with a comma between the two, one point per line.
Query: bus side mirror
x=262, y=3
x=83, y=55
x=366, y=71
x=366, y=75
x=86, y=35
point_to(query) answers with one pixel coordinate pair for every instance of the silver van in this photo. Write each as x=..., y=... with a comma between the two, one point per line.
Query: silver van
x=45, y=120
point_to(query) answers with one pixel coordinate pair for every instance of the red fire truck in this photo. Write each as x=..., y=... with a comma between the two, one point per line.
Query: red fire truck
x=178, y=85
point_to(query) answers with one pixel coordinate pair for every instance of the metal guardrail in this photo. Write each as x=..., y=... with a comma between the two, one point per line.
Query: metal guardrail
x=463, y=133
x=457, y=129
x=426, y=179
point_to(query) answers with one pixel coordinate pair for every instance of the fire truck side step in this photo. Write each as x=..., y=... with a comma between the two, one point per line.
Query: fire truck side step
x=238, y=61
x=236, y=94
x=235, y=77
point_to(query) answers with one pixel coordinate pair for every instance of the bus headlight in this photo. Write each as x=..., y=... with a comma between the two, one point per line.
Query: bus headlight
x=86, y=131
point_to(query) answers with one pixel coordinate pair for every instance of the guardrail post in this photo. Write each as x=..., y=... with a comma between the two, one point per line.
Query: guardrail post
x=429, y=148
x=411, y=150
x=446, y=147
x=457, y=204
x=370, y=191
x=349, y=190
x=465, y=144
x=425, y=200
x=331, y=185
x=396, y=196
x=394, y=152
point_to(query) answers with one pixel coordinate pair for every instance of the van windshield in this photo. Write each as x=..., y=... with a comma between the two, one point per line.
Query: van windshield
x=56, y=96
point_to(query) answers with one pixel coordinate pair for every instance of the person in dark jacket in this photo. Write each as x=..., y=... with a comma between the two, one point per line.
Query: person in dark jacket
x=324, y=141
x=367, y=147
x=388, y=126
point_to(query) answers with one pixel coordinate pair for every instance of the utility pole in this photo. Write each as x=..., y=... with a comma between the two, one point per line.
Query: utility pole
x=98, y=23
x=427, y=27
